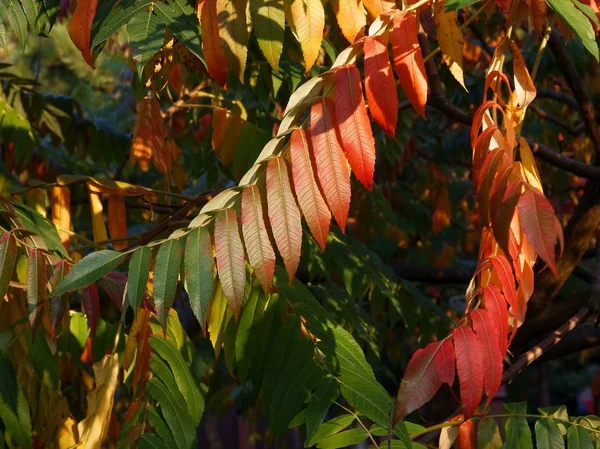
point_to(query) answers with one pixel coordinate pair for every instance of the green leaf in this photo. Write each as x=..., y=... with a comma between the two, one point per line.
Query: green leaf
x=117, y=18
x=3, y=45
x=588, y=11
x=161, y=370
x=78, y=332
x=578, y=22
x=36, y=16
x=17, y=20
x=1, y=434
x=37, y=223
x=183, y=376
x=344, y=439
x=44, y=362
x=488, y=434
x=151, y=441
x=579, y=438
x=52, y=8
x=14, y=411
x=137, y=278
x=455, y=5
x=8, y=259
x=330, y=427
x=518, y=434
x=199, y=277
x=89, y=270
x=268, y=21
x=166, y=272
x=250, y=321
x=547, y=435
x=325, y=394
x=160, y=426
x=37, y=278
x=515, y=408
x=559, y=412
x=146, y=37
x=182, y=21
x=175, y=413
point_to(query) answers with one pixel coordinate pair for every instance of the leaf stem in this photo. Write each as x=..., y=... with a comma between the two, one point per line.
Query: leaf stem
x=538, y=56
x=360, y=422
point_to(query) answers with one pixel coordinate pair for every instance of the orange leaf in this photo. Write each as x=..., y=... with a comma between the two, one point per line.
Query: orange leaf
x=80, y=27
x=469, y=367
x=524, y=86
x=380, y=85
x=284, y=215
x=117, y=220
x=258, y=246
x=494, y=302
x=351, y=18
x=332, y=168
x=61, y=212
x=306, y=19
x=309, y=197
x=230, y=259
x=408, y=60
x=216, y=62
x=148, y=135
x=219, y=127
x=450, y=39
x=353, y=122
x=98, y=226
x=377, y=7
x=487, y=337
x=233, y=30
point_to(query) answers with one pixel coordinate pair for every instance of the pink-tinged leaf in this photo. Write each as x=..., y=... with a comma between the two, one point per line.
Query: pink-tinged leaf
x=311, y=201
x=495, y=163
x=230, y=259
x=114, y=286
x=332, y=167
x=91, y=307
x=424, y=375
x=354, y=125
x=495, y=304
x=284, y=215
x=503, y=204
x=444, y=362
x=58, y=305
x=380, y=86
x=524, y=87
x=8, y=259
x=469, y=367
x=408, y=60
x=260, y=252
x=491, y=357
x=504, y=279
x=37, y=278
x=539, y=224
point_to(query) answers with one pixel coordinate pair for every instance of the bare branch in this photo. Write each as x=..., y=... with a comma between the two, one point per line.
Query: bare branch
x=572, y=129
x=566, y=163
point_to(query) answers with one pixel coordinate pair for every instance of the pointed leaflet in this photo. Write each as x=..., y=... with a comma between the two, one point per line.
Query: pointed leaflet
x=451, y=41
x=17, y=20
x=8, y=258
x=408, y=60
x=307, y=20
x=80, y=27
x=91, y=307
x=284, y=215
x=469, y=367
x=114, y=285
x=256, y=240
x=488, y=337
x=216, y=62
x=354, y=126
x=61, y=212
x=37, y=278
x=233, y=30
x=58, y=305
x=311, y=201
x=524, y=87
x=117, y=224
x=268, y=22
x=332, y=169
x=139, y=268
x=377, y=7
x=427, y=370
x=96, y=209
x=488, y=434
x=547, y=434
x=505, y=280
x=230, y=259
x=350, y=17
x=166, y=272
x=380, y=86
x=494, y=302
x=539, y=224
x=199, y=277
x=146, y=36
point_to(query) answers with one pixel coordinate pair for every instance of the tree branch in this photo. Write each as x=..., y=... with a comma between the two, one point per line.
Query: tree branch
x=557, y=96
x=565, y=163
x=572, y=129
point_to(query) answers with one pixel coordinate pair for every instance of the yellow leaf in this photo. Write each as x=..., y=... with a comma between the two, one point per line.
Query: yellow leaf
x=67, y=435
x=148, y=134
x=217, y=318
x=307, y=21
x=61, y=212
x=377, y=7
x=233, y=29
x=98, y=225
x=451, y=41
x=351, y=18
x=528, y=163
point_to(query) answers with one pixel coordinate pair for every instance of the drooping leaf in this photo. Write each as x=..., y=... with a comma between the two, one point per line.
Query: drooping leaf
x=325, y=394
x=578, y=438
x=578, y=22
x=4, y=46
x=451, y=41
x=268, y=21
x=408, y=60
x=230, y=259
x=350, y=17
x=61, y=212
x=250, y=321
x=488, y=434
x=80, y=27
x=166, y=272
x=258, y=246
x=36, y=16
x=118, y=16
x=117, y=221
x=353, y=122
x=114, y=285
x=377, y=7
x=58, y=305
x=91, y=307
x=96, y=210
x=233, y=30
x=469, y=368
x=547, y=435
x=331, y=164
x=518, y=434
x=344, y=439
x=181, y=19
x=448, y=436
x=380, y=85
x=139, y=268
x=494, y=302
x=284, y=215
x=161, y=427
x=37, y=278
x=216, y=62
x=306, y=18
x=146, y=35
x=331, y=427
x=524, y=87
x=8, y=259
x=39, y=224
x=14, y=410
x=151, y=441
x=491, y=357
x=199, y=277
x=17, y=20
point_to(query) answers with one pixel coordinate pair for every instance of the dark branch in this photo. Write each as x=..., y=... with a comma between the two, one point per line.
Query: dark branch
x=557, y=96
x=433, y=275
x=573, y=129
x=566, y=163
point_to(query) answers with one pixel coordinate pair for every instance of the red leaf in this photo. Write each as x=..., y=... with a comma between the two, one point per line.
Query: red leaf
x=114, y=286
x=428, y=368
x=469, y=367
x=332, y=168
x=354, y=125
x=284, y=215
x=495, y=304
x=91, y=307
x=37, y=278
x=80, y=27
x=230, y=259
x=495, y=162
x=380, y=86
x=539, y=224
x=260, y=252
x=467, y=435
x=503, y=204
x=408, y=60
x=506, y=280
x=216, y=61
x=311, y=201
x=491, y=357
